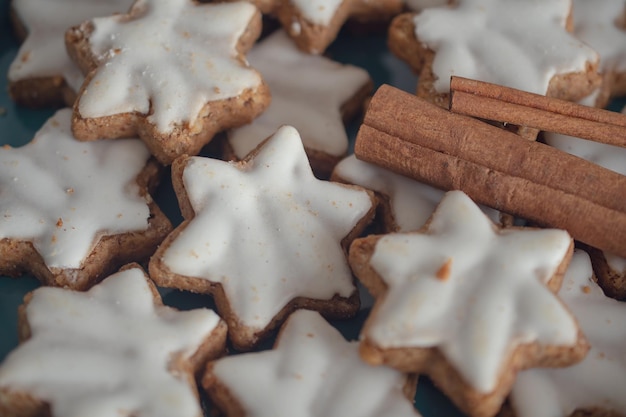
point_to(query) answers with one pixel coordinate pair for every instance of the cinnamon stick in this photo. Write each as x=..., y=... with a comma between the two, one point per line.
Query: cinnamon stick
x=503, y=104
x=494, y=167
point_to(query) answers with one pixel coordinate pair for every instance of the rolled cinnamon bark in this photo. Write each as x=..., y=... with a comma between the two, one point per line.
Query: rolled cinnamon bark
x=494, y=167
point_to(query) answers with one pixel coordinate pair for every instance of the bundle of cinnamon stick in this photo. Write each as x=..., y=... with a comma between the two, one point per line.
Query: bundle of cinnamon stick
x=498, y=168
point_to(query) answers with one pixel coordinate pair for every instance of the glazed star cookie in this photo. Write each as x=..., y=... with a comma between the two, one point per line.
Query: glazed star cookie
x=610, y=269
x=73, y=212
x=467, y=303
x=602, y=25
x=403, y=204
x=595, y=386
x=113, y=350
x=314, y=24
x=310, y=92
x=311, y=361
x=520, y=44
x=42, y=74
x=172, y=72
x=264, y=236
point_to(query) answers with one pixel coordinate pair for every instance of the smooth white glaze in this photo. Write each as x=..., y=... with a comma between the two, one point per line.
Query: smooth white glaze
x=319, y=12
x=268, y=231
x=492, y=298
x=519, y=44
x=43, y=52
x=170, y=60
x=108, y=351
x=307, y=93
x=313, y=372
x=412, y=202
x=63, y=195
x=599, y=381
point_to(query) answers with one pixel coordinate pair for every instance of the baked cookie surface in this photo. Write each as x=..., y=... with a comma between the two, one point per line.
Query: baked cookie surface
x=114, y=350
x=74, y=211
x=264, y=236
x=42, y=74
x=466, y=303
x=171, y=71
x=493, y=42
x=312, y=362
x=309, y=92
x=595, y=385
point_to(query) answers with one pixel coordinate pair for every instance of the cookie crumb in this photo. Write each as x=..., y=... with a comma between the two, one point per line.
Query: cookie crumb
x=444, y=271
x=586, y=289
x=60, y=222
x=3, y=111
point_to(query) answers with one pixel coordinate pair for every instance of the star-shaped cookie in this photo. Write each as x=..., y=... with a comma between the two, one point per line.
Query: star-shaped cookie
x=595, y=385
x=42, y=74
x=309, y=92
x=114, y=350
x=264, y=236
x=72, y=212
x=467, y=303
x=520, y=44
x=311, y=372
x=171, y=71
x=314, y=24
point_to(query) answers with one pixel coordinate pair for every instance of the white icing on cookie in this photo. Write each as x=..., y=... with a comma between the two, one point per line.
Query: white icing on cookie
x=268, y=231
x=43, y=52
x=616, y=263
x=519, y=44
x=169, y=61
x=307, y=93
x=109, y=349
x=319, y=12
x=313, y=371
x=595, y=23
x=412, y=202
x=600, y=379
x=63, y=195
x=490, y=298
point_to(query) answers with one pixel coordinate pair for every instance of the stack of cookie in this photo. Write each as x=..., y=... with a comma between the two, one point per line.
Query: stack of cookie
x=238, y=108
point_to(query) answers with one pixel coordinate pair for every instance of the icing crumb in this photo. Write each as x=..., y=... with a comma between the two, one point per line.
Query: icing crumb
x=444, y=271
x=70, y=190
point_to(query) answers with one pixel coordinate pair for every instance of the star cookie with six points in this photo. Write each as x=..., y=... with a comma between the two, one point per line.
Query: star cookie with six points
x=264, y=236
x=114, y=350
x=467, y=303
x=72, y=212
x=312, y=371
x=172, y=72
